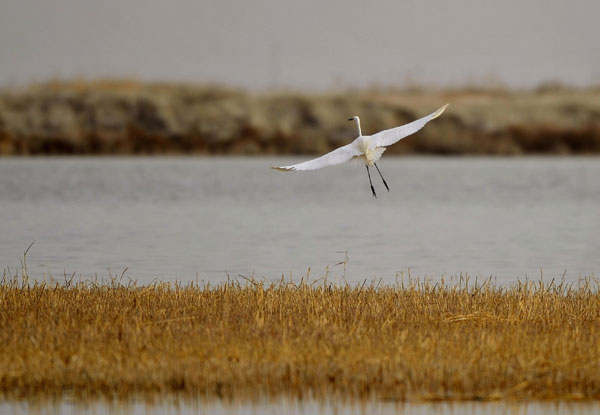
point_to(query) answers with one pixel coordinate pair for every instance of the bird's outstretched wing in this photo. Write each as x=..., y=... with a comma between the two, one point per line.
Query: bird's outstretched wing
x=388, y=137
x=337, y=156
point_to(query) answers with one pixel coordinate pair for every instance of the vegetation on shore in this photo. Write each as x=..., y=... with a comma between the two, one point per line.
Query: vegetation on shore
x=130, y=117
x=244, y=339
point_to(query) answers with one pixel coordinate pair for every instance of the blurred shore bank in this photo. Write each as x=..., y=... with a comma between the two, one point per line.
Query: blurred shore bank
x=131, y=117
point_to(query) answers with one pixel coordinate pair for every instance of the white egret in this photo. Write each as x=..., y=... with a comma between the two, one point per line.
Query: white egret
x=368, y=148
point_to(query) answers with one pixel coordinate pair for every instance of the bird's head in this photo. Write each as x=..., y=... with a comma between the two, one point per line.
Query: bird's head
x=355, y=118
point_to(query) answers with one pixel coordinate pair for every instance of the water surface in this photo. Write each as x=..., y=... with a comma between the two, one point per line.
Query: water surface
x=302, y=407
x=206, y=218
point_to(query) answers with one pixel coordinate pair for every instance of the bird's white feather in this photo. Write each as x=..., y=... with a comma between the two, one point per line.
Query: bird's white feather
x=388, y=137
x=337, y=156
x=368, y=148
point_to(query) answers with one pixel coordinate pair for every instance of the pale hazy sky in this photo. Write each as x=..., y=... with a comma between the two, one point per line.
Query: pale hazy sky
x=302, y=43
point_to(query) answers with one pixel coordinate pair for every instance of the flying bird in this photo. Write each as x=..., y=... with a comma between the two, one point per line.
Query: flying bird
x=368, y=148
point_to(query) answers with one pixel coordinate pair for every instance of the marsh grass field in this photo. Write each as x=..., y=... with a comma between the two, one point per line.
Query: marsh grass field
x=248, y=339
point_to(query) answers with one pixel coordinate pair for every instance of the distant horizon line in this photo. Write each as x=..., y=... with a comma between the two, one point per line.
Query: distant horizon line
x=135, y=81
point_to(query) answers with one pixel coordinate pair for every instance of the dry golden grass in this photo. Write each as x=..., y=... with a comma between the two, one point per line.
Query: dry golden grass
x=249, y=339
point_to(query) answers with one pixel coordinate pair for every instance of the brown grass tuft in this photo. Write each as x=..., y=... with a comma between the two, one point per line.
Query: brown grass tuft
x=250, y=339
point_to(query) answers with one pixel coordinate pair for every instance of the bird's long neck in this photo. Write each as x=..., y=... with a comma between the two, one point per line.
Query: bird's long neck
x=358, y=125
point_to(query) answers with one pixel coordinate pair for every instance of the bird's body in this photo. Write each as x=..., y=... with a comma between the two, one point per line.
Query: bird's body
x=369, y=153
x=368, y=148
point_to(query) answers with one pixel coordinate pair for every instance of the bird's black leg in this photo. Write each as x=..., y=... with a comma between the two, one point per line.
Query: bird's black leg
x=371, y=183
x=380, y=175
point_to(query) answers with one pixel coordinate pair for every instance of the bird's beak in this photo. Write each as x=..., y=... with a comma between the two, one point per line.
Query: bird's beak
x=350, y=119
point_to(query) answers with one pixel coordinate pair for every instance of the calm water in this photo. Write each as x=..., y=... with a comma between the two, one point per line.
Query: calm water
x=203, y=218
x=303, y=408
